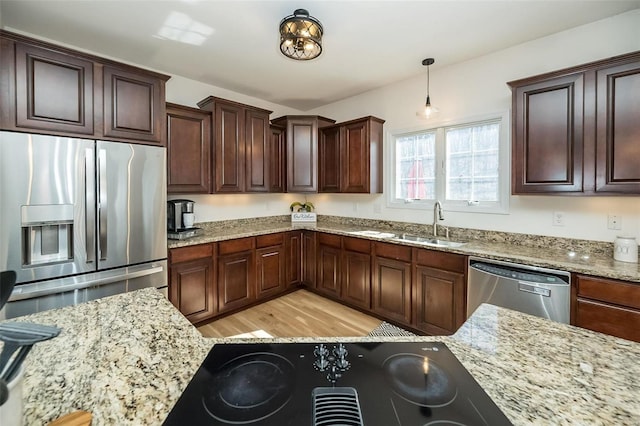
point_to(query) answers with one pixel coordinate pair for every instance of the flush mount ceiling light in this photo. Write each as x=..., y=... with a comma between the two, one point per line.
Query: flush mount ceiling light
x=428, y=109
x=301, y=36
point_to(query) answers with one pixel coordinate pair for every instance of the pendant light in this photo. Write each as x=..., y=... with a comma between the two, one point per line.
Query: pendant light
x=301, y=36
x=428, y=109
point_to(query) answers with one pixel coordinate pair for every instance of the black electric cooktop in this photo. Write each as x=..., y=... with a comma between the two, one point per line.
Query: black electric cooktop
x=308, y=384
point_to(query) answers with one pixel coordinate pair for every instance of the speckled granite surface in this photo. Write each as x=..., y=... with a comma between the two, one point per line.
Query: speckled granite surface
x=127, y=359
x=591, y=257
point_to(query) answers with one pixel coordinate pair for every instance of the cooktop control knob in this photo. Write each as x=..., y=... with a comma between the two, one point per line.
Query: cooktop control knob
x=342, y=364
x=321, y=363
x=321, y=350
x=340, y=351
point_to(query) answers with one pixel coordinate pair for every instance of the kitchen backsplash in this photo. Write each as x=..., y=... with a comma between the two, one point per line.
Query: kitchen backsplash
x=580, y=247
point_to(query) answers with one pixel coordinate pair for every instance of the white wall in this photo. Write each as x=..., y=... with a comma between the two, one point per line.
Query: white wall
x=479, y=86
x=460, y=91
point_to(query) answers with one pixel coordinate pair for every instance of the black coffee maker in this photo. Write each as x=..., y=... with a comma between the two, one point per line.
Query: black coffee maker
x=176, y=229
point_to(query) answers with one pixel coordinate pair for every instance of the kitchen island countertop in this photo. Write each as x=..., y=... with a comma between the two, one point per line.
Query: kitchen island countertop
x=127, y=358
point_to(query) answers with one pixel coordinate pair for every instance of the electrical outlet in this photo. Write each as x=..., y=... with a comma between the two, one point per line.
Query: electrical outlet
x=377, y=208
x=614, y=221
x=558, y=218
x=355, y=207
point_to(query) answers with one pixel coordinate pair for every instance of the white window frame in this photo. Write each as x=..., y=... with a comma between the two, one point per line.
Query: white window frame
x=504, y=182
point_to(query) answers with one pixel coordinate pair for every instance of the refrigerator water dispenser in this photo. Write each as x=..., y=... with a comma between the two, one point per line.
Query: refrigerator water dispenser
x=47, y=234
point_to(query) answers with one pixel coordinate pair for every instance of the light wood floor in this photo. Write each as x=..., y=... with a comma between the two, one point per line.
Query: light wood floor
x=297, y=314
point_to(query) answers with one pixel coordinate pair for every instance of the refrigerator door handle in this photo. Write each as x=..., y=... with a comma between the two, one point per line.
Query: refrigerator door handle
x=90, y=205
x=102, y=203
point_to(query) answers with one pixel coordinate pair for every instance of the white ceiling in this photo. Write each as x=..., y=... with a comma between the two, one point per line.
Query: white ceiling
x=367, y=44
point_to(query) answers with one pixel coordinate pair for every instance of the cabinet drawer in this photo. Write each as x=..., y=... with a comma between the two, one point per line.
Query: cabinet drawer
x=608, y=319
x=441, y=260
x=393, y=251
x=236, y=246
x=269, y=240
x=357, y=244
x=183, y=254
x=329, y=240
x=612, y=291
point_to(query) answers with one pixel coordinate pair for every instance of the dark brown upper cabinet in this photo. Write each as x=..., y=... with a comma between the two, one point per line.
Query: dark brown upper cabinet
x=188, y=150
x=350, y=157
x=618, y=128
x=51, y=89
x=134, y=105
x=277, y=159
x=241, y=145
x=575, y=131
x=302, y=150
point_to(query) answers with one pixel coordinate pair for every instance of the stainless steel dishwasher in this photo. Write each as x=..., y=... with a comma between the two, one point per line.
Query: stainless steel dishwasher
x=536, y=291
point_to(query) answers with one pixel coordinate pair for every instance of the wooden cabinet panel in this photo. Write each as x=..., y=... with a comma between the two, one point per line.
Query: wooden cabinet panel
x=548, y=144
x=355, y=155
x=241, y=140
x=611, y=291
x=608, y=306
x=302, y=150
x=441, y=260
x=229, y=147
x=257, y=150
x=356, y=279
x=309, y=258
x=192, y=289
x=188, y=150
x=277, y=160
x=618, y=128
x=236, y=279
x=391, y=289
x=192, y=285
x=134, y=106
x=393, y=251
x=54, y=91
x=576, y=130
x=329, y=159
x=438, y=300
x=329, y=270
x=293, y=257
x=609, y=319
x=270, y=271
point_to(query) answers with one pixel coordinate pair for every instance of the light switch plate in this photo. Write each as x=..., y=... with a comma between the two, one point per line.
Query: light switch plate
x=558, y=218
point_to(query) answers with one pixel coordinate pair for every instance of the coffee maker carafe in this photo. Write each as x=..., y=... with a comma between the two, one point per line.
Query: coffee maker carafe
x=175, y=211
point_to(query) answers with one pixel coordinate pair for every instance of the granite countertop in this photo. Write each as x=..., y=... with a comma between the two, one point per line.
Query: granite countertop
x=127, y=358
x=549, y=254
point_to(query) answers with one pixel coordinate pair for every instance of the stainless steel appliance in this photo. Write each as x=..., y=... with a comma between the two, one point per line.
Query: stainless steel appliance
x=177, y=228
x=372, y=384
x=533, y=290
x=81, y=219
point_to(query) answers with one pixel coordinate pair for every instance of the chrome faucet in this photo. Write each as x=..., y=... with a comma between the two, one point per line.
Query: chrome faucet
x=437, y=215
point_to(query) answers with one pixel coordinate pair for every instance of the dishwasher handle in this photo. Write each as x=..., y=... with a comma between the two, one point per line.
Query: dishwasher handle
x=534, y=289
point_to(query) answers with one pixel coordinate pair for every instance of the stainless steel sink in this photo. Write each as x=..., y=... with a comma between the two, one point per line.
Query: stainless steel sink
x=428, y=241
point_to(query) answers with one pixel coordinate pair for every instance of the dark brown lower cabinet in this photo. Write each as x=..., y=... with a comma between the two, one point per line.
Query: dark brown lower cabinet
x=236, y=276
x=391, y=285
x=356, y=272
x=437, y=300
x=328, y=265
x=439, y=291
x=270, y=265
x=309, y=258
x=192, y=286
x=607, y=306
x=293, y=257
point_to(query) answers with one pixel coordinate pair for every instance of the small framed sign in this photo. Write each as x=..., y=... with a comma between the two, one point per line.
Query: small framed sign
x=303, y=217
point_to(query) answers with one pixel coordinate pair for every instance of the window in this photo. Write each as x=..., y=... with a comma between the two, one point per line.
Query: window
x=464, y=165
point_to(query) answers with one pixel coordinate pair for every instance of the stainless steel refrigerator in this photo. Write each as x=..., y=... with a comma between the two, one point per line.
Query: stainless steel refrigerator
x=80, y=219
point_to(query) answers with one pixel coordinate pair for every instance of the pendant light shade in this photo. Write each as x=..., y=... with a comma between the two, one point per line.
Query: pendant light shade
x=428, y=110
x=301, y=36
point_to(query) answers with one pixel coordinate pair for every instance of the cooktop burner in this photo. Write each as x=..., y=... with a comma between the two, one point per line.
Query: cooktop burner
x=370, y=384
